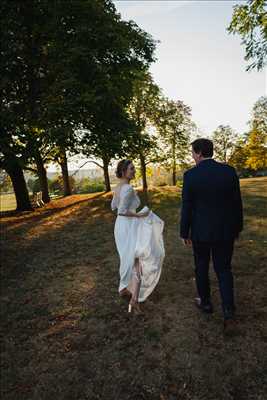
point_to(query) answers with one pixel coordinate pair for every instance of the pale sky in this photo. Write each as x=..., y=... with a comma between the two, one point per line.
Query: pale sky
x=198, y=62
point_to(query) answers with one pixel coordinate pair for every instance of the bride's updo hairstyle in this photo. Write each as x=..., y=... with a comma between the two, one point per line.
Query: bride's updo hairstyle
x=122, y=167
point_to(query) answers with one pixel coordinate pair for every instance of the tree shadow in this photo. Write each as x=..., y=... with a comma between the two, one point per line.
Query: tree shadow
x=65, y=325
x=40, y=213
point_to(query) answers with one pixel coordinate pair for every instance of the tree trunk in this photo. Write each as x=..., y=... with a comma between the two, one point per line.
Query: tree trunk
x=15, y=172
x=173, y=165
x=174, y=174
x=106, y=174
x=143, y=172
x=65, y=173
x=41, y=171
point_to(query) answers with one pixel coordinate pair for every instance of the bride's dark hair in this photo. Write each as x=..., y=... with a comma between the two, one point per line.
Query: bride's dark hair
x=122, y=167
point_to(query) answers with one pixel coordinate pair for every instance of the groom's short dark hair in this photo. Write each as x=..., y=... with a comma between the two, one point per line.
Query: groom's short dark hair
x=203, y=146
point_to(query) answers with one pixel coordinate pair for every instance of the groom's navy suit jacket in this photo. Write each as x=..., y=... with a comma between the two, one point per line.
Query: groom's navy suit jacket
x=211, y=203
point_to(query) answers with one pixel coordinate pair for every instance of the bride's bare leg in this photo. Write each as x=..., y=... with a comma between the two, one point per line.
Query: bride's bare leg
x=136, y=283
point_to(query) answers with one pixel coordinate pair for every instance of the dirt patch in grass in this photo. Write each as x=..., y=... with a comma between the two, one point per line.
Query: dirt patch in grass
x=67, y=335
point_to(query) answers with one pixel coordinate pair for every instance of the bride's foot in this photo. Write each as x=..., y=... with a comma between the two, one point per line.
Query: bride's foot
x=135, y=308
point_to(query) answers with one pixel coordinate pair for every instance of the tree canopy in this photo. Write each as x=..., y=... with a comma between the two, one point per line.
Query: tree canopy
x=66, y=65
x=250, y=22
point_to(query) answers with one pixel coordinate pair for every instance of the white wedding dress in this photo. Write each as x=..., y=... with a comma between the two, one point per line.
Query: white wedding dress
x=137, y=238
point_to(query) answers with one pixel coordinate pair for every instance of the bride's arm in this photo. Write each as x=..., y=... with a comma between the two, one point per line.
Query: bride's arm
x=114, y=202
x=133, y=214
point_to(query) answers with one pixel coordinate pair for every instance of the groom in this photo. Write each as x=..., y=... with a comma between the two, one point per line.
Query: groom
x=211, y=220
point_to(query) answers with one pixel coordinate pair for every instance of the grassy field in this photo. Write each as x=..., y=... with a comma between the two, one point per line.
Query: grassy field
x=67, y=335
x=7, y=202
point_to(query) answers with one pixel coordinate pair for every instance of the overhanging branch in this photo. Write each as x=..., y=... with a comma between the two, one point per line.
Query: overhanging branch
x=92, y=161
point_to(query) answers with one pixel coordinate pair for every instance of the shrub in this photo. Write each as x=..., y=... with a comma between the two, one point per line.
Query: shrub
x=34, y=185
x=56, y=186
x=96, y=187
x=87, y=185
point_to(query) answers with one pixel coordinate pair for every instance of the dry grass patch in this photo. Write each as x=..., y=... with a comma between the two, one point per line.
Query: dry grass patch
x=67, y=335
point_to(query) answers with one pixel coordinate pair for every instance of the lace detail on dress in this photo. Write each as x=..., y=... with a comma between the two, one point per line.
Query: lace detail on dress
x=124, y=199
x=115, y=201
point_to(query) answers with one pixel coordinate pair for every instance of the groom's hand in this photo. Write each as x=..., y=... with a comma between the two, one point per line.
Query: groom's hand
x=187, y=242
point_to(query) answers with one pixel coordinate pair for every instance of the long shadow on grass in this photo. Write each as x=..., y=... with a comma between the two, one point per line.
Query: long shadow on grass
x=66, y=303
x=38, y=302
x=65, y=325
x=255, y=205
x=30, y=216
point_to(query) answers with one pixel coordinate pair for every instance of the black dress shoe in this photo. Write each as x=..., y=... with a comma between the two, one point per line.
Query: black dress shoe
x=206, y=308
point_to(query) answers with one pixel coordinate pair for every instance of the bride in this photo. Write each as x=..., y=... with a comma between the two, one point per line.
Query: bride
x=138, y=237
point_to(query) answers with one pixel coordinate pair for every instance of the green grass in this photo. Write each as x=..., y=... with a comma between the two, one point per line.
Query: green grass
x=7, y=202
x=67, y=335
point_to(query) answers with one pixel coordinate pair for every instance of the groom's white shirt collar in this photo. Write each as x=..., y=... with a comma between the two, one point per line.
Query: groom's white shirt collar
x=204, y=159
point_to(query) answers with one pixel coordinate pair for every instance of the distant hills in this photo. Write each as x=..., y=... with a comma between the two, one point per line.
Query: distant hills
x=92, y=173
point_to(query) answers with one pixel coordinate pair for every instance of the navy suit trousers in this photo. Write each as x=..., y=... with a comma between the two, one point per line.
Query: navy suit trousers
x=221, y=253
